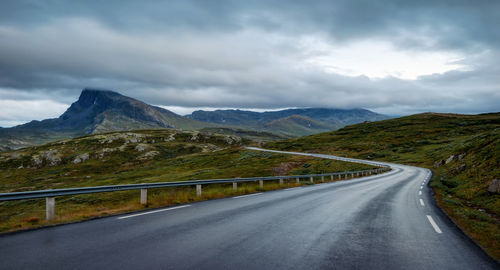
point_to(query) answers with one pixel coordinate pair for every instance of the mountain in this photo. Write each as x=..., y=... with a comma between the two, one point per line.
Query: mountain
x=96, y=111
x=463, y=151
x=100, y=111
x=291, y=122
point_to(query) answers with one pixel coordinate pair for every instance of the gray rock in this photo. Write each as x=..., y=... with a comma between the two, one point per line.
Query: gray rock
x=81, y=158
x=37, y=161
x=494, y=186
x=461, y=156
x=148, y=155
x=462, y=167
x=450, y=159
x=142, y=147
x=438, y=163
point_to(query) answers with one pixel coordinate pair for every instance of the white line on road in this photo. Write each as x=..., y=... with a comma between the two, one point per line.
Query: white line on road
x=421, y=187
x=420, y=192
x=422, y=202
x=434, y=225
x=243, y=196
x=155, y=211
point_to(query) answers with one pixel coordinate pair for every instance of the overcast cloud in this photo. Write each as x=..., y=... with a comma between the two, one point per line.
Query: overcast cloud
x=394, y=57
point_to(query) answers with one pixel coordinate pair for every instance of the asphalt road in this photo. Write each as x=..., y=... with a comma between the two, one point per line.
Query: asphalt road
x=387, y=221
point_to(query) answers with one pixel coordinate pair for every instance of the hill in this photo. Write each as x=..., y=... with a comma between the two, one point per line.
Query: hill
x=462, y=150
x=290, y=122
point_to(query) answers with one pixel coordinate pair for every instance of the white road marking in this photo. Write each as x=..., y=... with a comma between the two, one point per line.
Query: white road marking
x=155, y=211
x=421, y=187
x=249, y=195
x=434, y=225
x=420, y=192
x=422, y=202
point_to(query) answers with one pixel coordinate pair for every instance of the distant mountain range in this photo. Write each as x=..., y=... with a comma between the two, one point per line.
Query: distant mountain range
x=99, y=111
x=290, y=122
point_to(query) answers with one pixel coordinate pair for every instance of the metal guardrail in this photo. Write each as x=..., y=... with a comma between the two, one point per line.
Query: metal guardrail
x=49, y=194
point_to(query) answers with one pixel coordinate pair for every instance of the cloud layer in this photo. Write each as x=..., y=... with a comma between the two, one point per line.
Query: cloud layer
x=395, y=57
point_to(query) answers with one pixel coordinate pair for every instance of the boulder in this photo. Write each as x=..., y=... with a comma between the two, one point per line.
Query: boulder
x=438, y=163
x=450, y=159
x=494, y=186
x=148, y=155
x=462, y=167
x=142, y=147
x=81, y=158
x=461, y=156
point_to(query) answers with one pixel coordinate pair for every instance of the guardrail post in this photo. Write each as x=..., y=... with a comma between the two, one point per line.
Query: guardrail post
x=261, y=183
x=340, y=176
x=352, y=175
x=312, y=179
x=297, y=180
x=198, y=190
x=144, y=196
x=281, y=181
x=331, y=177
x=50, y=208
x=235, y=186
x=322, y=178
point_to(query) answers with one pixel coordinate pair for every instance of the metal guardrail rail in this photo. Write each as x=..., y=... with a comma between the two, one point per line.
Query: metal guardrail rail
x=49, y=194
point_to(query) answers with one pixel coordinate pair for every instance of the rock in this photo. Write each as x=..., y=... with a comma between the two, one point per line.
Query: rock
x=194, y=137
x=450, y=159
x=494, y=186
x=103, y=152
x=230, y=140
x=52, y=156
x=461, y=156
x=148, y=155
x=438, y=163
x=142, y=147
x=462, y=167
x=81, y=158
x=170, y=138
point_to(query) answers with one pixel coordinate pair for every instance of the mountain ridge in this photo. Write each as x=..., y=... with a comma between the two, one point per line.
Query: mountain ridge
x=101, y=111
x=324, y=119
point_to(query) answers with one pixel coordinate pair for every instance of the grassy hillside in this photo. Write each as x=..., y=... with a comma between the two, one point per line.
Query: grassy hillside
x=462, y=150
x=297, y=125
x=137, y=157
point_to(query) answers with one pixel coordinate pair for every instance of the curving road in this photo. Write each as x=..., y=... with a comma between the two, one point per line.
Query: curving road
x=387, y=221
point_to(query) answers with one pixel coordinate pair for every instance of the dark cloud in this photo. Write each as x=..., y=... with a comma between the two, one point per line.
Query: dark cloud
x=247, y=54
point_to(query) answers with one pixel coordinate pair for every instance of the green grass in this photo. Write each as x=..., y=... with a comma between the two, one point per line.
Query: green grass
x=423, y=140
x=183, y=156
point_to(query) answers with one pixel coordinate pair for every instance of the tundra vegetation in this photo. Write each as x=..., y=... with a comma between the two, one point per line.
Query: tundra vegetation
x=143, y=156
x=463, y=151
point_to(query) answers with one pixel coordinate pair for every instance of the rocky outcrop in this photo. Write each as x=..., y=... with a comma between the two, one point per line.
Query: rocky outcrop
x=81, y=158
x=148, y=155
x=462, y=167
x=494, y=186
x=51, y=158
x=438, y=163
x=142, y=147
x=450, y=159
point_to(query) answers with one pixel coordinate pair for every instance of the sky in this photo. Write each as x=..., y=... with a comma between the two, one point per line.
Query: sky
x=395, y=57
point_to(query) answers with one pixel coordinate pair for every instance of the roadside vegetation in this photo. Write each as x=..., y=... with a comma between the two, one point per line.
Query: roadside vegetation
x=462, y=150
x=143, y=156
